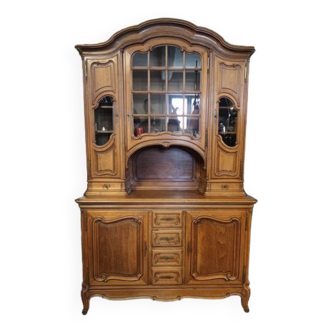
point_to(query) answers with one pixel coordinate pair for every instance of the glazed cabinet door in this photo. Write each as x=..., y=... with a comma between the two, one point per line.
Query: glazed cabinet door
x=116, y=247
x=229, y=119
x=215, y=246
x=166, y=93
x=103, y=104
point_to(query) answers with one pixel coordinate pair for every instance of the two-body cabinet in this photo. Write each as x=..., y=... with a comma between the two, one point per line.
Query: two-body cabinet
x=165, y=215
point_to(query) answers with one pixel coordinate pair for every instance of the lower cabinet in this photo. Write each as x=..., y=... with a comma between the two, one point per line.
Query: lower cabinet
x=165, y=254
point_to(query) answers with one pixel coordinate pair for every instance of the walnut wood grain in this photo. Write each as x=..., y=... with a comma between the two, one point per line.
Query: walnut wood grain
x=165, y=215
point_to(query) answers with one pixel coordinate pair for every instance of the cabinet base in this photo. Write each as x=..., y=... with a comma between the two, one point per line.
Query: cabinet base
x=166, y=294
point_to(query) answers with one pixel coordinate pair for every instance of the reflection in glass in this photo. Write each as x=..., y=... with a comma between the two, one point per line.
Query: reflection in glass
x=193, y=80
x=157, y=57
x=227, y=126
x=174, y=125
x=140, y=103
x=193, y=60
x=192, y=104
x=157, y=124
x=175, y=104
x=175, y=57
x=140, y=59
x=158, y=104
x=141, y=125
x=157, y=80
x=166, y=98
x=104, y=120
x=192, y=126
x=175, y=81
x=140, y=80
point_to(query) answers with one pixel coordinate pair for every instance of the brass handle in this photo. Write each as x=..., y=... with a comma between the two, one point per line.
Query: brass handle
x=166, y=238
x=167, y=258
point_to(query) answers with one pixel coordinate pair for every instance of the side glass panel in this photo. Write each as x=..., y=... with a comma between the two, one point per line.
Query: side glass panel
x=227, y=121
x=166, y=92
x=104, y=124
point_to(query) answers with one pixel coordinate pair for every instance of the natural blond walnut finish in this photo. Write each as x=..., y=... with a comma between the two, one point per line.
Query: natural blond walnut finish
x=165, y=215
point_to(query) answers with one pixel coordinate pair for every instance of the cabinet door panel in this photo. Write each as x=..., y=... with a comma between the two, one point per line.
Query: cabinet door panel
x=118, y=247
x=104, y=77
x=214, y=252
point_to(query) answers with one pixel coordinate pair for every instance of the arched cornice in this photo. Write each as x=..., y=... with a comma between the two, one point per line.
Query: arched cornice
x=165, y=27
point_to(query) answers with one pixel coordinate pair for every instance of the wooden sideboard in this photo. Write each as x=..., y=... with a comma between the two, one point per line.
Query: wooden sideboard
x=165, y=215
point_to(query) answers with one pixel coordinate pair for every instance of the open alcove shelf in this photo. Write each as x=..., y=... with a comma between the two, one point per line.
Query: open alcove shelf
x=165, y=214
x=157, y=168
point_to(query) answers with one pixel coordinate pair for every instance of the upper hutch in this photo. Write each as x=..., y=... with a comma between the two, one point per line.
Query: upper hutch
x=165, y=212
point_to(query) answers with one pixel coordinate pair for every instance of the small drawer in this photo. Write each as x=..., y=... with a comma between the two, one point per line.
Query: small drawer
x=166, y=257
x=166, y=276
x=167, y=220
x=167, y=238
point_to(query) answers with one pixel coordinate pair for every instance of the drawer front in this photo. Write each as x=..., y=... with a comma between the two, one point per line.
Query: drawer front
x=166, y=257
x=161, y=276
x=167, y=220
x=167, y=238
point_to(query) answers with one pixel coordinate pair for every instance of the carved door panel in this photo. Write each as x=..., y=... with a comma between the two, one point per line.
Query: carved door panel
x=117, y=243
x=215, y=247
x=104, y=120
x=229, y=119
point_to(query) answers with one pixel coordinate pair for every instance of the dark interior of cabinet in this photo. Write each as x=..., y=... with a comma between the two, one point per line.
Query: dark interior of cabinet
x=160, y=168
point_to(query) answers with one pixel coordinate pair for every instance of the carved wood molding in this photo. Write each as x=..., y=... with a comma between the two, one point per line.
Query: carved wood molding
x=85, y=295
x=169, y=276
x=105, y=158
x=226, y=275
x=168, y=27
x=167, y=239
x=161, y=219
x=231, y=81
x=166, y=143
x=104, y=73
x=136, y=219
x=105, y=277
x=167, y=257
x=161, y=297
x=224, y=156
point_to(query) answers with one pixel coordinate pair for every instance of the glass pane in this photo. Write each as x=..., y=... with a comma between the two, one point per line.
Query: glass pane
x=175, y=81
x=140, y=103
x=175, y=124
x=157, y=57
x=104, y=121
x=192, y=126
x=141, y=125
x=157, y=124
x=158, y=104
x=140, y=80
x=227, y=126
x=175, y=104
x=140, y=59
x=192, y=104
x=193, y=60
x=157, y=80
x=193, y=80
x=175, y=57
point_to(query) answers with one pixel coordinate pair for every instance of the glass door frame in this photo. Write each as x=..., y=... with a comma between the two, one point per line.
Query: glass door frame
x=184, y=139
